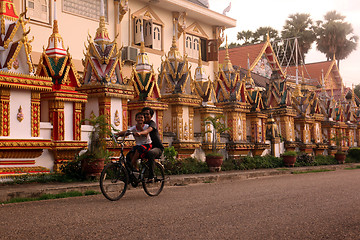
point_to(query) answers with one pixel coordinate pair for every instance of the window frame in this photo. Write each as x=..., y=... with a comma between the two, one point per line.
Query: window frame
x=146, y=14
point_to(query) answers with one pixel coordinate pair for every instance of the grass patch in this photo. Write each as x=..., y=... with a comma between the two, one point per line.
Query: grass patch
x=312, y=171
x=208, y=181
x=282, y=169
x=352, y=168
x=91, y=192
x=51, y=196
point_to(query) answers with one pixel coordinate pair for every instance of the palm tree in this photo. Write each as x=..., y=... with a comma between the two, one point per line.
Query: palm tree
x=260, y=35
x=245, y=36
x=335, y=37
x=300, y=25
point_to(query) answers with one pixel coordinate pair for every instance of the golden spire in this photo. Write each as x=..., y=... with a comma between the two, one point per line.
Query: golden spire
x=142, y=60
x=55, y=47
x=249, y=82
x=200, y=60
x=174, y=52
x=227, y=66
x=102, y=35
x=200, y=70
x=297, y=92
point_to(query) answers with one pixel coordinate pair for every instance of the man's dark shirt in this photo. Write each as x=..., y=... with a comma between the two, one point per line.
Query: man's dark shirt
x=155, y=136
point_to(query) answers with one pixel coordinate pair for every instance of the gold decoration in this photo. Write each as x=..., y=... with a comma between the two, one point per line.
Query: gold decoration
x=20, y=115
x=117, y=118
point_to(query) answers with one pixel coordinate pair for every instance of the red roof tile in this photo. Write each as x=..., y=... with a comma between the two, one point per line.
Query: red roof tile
x=239, y=55
x=313, y=71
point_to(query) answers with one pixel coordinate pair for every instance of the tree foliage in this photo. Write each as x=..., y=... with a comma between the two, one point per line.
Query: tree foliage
x=357, y=90
x=335, y=36
x=260, y=35
x=300, y=25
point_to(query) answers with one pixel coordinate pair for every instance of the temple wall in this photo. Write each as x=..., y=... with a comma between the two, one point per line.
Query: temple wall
x=69, y=121
x=116, y=105
x=92, y=106
x=20, y=130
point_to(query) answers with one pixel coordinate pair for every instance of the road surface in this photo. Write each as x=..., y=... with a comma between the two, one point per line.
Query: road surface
x=302, y=206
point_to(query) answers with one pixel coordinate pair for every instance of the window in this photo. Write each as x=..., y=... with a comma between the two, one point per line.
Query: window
x=38, y=10
x=85, y=8
x=192, y=46
x=150, y=34
x=208, y=48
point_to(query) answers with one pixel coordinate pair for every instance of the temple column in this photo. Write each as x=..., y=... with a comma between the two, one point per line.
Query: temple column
x=236, y=121
x=5, y=109
x=77, y=121
x=258, y=121
x=124, y=114
x=57, y=113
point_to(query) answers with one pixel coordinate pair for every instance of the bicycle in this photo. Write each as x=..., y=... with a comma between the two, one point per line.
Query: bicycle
x=117, y=174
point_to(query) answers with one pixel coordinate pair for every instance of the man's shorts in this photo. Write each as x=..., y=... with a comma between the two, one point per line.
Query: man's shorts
x=142, y=149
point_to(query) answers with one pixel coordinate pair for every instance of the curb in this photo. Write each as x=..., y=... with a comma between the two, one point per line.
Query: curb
x=9, y=192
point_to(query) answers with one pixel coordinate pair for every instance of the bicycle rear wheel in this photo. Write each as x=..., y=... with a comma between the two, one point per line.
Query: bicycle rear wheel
x=153, y=186
x=113, y=181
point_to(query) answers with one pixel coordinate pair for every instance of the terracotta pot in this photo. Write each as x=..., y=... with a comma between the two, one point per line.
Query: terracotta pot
x=214, y=163
x=340, y=157
x=93, y=168
x=289, y=161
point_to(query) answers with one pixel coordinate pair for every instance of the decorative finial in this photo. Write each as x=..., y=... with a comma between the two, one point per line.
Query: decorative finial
x=102, y=35
x=227, y=63
x=200, y=60
x=142, y=44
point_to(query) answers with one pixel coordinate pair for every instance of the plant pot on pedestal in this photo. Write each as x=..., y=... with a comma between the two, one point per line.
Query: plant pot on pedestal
x=93, y=160
x=340, y=157
x=92, y=168
x=289, y=158
x=214, y=162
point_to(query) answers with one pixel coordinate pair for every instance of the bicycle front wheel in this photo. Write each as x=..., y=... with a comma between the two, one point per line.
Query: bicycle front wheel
x=153, y=185
x=113, y=181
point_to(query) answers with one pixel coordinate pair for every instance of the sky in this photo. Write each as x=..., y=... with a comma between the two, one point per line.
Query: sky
x=251, y=15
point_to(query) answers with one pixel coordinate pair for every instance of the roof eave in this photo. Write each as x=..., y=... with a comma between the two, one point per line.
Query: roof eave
x=196, y=12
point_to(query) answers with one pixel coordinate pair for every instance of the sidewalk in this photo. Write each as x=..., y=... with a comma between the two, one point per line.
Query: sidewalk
x=8, y=192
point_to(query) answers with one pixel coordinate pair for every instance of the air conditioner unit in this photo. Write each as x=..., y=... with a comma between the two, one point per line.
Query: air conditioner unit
x=129, y=54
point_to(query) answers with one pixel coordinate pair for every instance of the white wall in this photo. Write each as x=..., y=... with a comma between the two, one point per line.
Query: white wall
x=69, y=121
x=20, y=130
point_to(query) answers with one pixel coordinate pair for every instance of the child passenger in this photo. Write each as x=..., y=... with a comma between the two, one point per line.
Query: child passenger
x=142, y=138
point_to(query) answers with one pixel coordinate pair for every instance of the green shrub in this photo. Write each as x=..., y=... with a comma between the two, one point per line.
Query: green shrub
x=353, y=155
x=304, y=159
x=185, y=166
x=289, y=153
x=72, y=169
x=324, y=160
x=246, y=163
x=175, y=166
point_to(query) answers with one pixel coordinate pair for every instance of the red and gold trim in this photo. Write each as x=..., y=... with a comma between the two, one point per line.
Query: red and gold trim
x=22, y=81
x=35, y=114
x=77, y=121
x=15, y=171
x=4, y=112
x=125, y=114
x=57, y=119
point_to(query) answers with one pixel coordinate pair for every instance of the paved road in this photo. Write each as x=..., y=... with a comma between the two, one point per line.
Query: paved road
x=303, y=206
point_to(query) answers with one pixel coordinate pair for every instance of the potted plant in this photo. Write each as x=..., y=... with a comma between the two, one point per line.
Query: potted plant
x=289, y=158
x=92, y=161
x=340, y=155
x=214, y=160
